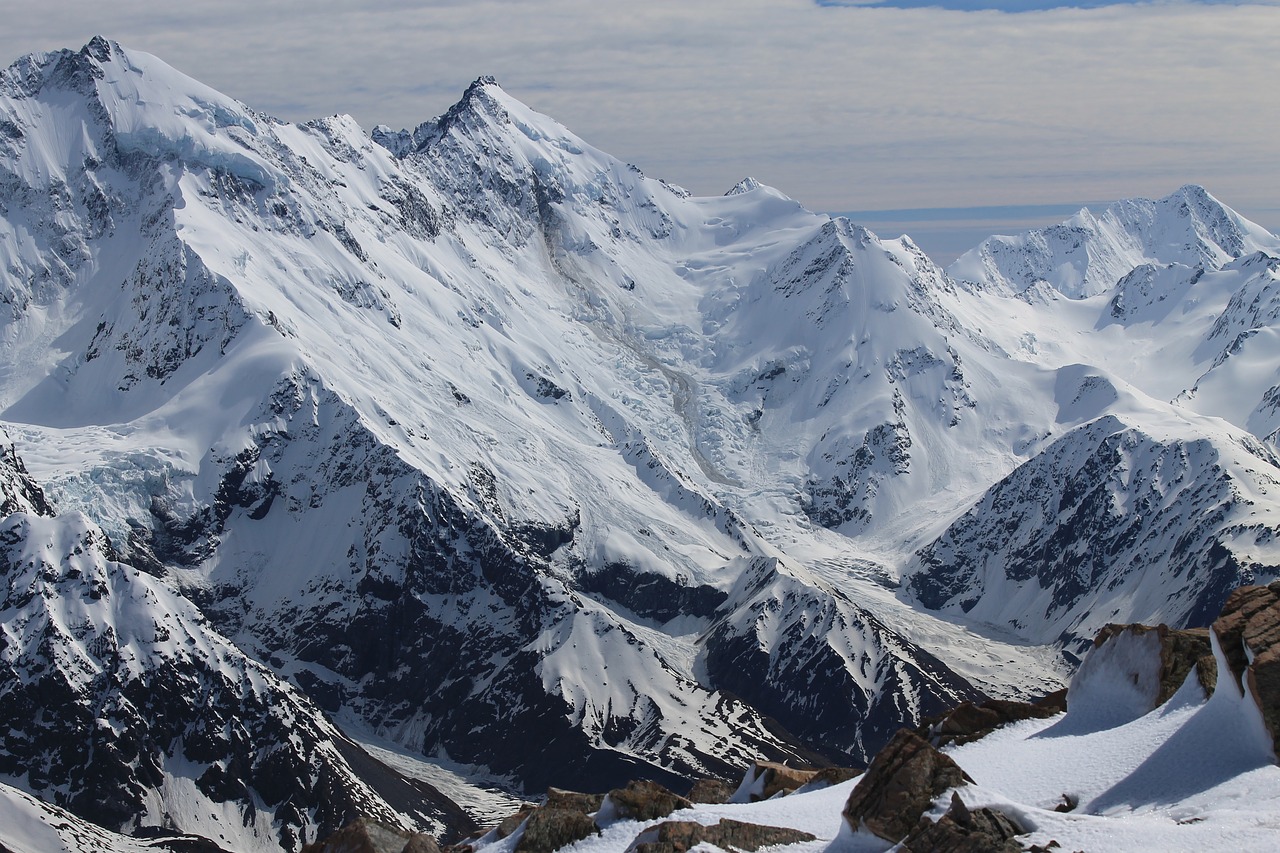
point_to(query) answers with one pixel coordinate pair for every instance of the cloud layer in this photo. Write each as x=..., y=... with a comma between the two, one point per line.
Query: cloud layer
x=844, y=107
x=1015, y=6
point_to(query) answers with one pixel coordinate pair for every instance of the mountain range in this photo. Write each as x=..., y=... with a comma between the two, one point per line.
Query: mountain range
x=473, y=445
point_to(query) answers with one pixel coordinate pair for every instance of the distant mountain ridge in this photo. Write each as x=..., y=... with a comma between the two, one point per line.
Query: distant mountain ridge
x=505, y=452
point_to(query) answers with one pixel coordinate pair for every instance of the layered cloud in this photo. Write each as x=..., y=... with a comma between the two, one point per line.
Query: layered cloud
x=844, y=106
x=1015, y=6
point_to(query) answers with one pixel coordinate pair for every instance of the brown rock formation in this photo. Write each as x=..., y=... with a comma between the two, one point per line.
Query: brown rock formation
x=549, y=829
x=779, y=778
x=511, y=823
x=678, y=836
x=1180, y=650
x=644, y=800
x=834, y=776
x=558, y=798
x=711, y=791
x=960, y=830
x=1249, y=628
x=369, y=836
x=900, y=786
x=968, y=721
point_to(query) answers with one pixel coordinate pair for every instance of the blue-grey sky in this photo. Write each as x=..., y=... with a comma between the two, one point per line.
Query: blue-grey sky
x=978, y=108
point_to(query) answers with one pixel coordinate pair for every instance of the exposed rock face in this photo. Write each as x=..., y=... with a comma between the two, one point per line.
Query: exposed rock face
x=767, y=779
x=558, y=798
x=369, y=836
x=711, y=791
x=828, y=776
x=677, y=836
x=1132, y=669
x=1180, y=650
x=513, y=822
x=1249, y=633
x=549, y=829
x=900, y=786
x=18, y=492
x=969, y=721
x=960, y=830
x=643, y=800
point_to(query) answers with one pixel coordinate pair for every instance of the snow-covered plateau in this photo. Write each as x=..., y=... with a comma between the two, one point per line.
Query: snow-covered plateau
x=346, y=471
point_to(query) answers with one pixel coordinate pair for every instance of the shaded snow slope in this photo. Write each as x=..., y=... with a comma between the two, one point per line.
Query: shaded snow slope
x=29, y=825
x=121, y=704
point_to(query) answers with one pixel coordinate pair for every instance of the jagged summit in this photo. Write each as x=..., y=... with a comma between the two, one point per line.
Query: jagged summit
x=745, y=185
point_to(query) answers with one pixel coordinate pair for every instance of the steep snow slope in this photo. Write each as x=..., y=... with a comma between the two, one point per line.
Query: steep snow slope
x=122, y=705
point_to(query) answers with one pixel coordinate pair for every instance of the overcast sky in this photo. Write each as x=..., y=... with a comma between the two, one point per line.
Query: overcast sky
x=842, y=104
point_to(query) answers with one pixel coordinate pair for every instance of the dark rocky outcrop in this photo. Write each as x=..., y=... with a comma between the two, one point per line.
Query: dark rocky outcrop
x=970, y=721
x=773, y=778
x=643, y=800
x=768, y=779
x=1249, y=633
x=711, y=791
x=559, y=798
x=549, y=829
x=511, y=823
x=900, y=786
x=18, y=491
x=369, y=836
x=678, y=836
x=650, y=595
x=960, y=830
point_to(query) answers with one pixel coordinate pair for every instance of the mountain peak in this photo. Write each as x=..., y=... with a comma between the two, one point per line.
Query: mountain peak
x=1093, y=250
x=100, y=48
x=745, y=185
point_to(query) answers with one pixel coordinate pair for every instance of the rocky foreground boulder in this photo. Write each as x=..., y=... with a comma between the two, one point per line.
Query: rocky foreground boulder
x=900, y=786
x=765, y=780
x=970, y=721
x=962, y=830
x=1248, y=632
x=1181, y=650
x=679, y=836
x=641, y=800
x=370, y=836
x=549, y=829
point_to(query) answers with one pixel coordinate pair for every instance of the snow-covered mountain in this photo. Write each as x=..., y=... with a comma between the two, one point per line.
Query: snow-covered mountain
x=509, y=454
x=122, y=705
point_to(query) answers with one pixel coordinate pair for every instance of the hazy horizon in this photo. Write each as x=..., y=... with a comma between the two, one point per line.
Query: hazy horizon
x=970, y=111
